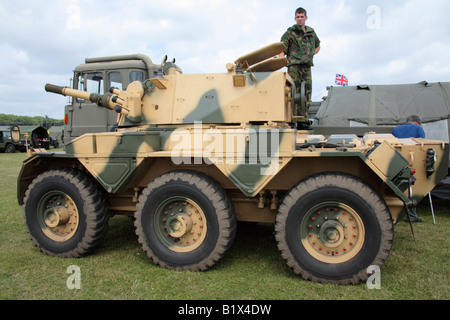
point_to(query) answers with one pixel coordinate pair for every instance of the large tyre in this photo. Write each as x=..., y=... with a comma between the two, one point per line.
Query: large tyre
x=65, y=213
x=185, y=221
x=10, y=148
x=331, y=227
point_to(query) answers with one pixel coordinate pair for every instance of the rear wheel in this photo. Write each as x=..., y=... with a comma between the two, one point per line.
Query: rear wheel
x=332, y=227
x=185, y=220
x=65, y=213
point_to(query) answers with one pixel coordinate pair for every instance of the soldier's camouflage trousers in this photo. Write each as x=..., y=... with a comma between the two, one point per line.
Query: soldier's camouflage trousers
x=302, y=73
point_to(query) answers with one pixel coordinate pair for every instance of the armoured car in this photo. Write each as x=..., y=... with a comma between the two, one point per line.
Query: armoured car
x=195, y=153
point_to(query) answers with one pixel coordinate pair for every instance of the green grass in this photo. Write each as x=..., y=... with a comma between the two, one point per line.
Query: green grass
x=253, y=269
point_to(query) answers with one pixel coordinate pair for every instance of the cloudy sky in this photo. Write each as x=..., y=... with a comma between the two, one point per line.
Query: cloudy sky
x=371, y=42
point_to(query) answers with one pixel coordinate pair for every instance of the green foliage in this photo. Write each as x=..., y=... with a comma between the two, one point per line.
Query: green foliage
x=10, y=119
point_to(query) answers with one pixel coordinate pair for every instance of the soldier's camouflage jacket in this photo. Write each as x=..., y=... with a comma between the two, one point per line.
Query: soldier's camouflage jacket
x=300, y=45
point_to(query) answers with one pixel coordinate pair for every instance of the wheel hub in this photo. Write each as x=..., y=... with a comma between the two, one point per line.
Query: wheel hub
x=54, y=217
x=58, y=216
x=332, y=232
x=180, y=224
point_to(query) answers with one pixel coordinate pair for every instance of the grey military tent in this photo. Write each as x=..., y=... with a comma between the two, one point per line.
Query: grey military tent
x=379, y=108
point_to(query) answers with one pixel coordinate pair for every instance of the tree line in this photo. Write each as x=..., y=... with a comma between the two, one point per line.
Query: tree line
x=10, y=119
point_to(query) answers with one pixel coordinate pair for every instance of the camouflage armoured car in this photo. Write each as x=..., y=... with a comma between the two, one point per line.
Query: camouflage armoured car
x=195, y=153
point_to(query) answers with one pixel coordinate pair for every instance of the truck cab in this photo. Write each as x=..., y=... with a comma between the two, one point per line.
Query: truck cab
x=98, y=75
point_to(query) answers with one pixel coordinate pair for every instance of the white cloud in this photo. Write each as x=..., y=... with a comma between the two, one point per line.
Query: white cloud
x=42, y=41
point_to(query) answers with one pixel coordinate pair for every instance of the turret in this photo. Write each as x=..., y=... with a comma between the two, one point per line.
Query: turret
x=249, y=92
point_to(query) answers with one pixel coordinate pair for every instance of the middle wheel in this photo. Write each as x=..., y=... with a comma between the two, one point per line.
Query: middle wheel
x=185, y=220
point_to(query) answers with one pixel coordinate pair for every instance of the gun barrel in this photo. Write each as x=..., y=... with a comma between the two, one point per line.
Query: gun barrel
x=102, y=100
x=66, y=91
x=127, y=103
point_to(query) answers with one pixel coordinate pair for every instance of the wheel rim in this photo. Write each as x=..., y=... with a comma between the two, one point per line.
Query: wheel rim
x=58, y=216
x=332, y=232
x=180, y=224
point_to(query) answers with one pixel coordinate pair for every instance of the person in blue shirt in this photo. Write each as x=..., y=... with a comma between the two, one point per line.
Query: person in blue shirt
x=411, y=129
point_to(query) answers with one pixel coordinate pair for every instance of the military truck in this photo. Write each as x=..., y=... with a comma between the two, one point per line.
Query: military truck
x=9, y=139
x=97, y=75
x=195, y=153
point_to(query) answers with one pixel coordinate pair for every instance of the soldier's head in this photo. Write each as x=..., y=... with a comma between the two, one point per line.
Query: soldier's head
x=414, y=118
x=300, y=16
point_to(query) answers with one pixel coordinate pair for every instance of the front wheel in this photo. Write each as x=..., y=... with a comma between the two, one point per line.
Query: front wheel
x=65, y=213
x=185, y=220
x=332, y=227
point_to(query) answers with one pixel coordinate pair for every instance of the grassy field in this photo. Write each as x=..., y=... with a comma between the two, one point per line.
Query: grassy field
x=253, y=269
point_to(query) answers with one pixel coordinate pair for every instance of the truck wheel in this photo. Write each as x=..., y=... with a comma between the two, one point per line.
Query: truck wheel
x=332, y=227
x=65, y=213
x=185, y=220
x=10, y=148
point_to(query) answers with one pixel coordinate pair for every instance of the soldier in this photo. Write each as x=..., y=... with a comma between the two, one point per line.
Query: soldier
x=301, y=44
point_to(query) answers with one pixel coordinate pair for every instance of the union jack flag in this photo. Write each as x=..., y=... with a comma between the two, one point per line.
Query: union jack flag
x=341, y=80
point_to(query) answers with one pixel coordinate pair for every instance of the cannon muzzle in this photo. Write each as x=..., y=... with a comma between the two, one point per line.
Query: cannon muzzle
x=54, y=89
